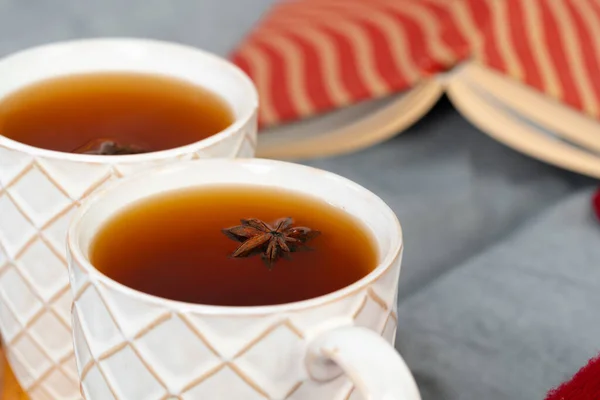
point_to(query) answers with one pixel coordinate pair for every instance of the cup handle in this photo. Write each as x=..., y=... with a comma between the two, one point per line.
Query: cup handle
x=374, y=366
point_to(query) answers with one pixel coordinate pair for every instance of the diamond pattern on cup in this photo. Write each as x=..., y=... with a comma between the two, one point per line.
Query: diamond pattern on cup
x=335, y=314
x=272, y=370
x=8, y=322
x=338, y=388
x=105, y=183
x=44, y=269
x=223, y=383
x=78, y=279
x=33, y=358
x=384, y=287
x=12, y=163
x=54, y=231
x=372, y=313
x=255, y=371
x=28, y=218
x=128, y=312
x=229, y=336
x=176, y=353
x=135, y=381
x=18, y=296
x=123, y=169
x=97, y=323
x=19, y=369
x=40, y=393
x=69, y=367
x=57, y=344
x=3, y=258
x=61, y=305
x=94, y=382
x=389, y=330
x=247, y=148
x=355, y=395
x=58, y=384
x=15, y=228
x=75, y=178
x=38, y=208
x=232, y=147
x=82, y=351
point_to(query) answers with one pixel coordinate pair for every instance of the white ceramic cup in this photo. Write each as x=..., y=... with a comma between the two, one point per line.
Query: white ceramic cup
x=131, y=345
x=40, y=190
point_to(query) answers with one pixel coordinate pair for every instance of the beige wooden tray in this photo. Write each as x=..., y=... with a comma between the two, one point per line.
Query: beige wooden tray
x=352, y=128
x=10, y=388
x=526, y=120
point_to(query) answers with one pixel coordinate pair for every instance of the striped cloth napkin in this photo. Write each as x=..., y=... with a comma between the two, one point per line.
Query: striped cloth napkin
x=550, y=45
x=312, y=56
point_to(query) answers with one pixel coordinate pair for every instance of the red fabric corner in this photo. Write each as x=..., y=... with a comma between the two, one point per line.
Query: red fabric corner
x=585, y=385
x=596, y=204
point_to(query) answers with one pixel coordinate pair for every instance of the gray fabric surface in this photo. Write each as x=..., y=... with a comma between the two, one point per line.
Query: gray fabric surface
x=454, y=189
x=514, y=321
x=214, y=25
x=507, y=323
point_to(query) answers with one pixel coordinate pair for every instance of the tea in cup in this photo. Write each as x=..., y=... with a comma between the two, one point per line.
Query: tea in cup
x=237, y=279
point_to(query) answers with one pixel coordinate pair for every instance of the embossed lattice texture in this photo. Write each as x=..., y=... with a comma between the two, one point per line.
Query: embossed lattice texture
x=133, y=348
x=37, y=198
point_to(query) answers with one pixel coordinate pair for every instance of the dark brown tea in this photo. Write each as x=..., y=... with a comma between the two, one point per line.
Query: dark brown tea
x=175, y=246
x=145, y=112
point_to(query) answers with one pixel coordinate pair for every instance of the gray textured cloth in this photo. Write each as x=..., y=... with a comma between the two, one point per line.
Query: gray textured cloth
x=210, y=24
x=454, y=189
x=508, y=323
x=515, y=320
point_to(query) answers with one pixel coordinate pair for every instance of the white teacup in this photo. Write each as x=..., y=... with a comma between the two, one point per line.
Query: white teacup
x=40, y=190
x=131, y=345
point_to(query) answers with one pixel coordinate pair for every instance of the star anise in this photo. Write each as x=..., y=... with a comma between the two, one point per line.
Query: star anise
x=270, y=241
x=108, y=147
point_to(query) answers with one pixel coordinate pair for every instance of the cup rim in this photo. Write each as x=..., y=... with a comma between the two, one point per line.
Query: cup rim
x=386, y=262
x=231, y=130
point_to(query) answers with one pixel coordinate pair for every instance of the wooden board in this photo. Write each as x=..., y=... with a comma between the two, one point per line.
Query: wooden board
x=10, y=388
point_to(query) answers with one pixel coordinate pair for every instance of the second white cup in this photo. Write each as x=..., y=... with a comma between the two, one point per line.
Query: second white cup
x=41, y=189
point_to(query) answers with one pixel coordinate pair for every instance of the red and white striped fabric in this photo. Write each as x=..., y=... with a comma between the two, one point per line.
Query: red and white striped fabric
x=551, y=45
x=311, y=56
